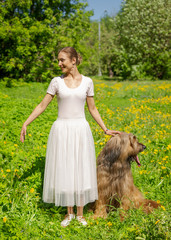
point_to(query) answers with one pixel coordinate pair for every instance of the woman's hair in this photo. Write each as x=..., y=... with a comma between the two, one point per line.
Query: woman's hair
x=72, y=53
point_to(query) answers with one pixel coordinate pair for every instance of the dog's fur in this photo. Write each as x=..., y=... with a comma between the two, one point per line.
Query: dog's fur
x=114, y=176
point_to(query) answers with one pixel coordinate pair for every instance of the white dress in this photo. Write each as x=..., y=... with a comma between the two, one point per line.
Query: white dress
x=70, y=168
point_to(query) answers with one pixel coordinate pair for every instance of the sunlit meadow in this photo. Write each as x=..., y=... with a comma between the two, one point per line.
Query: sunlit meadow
x=142, y=108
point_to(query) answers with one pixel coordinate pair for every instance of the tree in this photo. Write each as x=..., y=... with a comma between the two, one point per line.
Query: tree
x=32, y=32
x=143, y=28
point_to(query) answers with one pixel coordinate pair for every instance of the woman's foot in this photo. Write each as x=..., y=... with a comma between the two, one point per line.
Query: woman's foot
x=82, y=220
x=67, y=220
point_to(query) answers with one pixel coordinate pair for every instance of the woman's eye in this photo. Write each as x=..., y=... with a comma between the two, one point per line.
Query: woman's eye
x=60, y=60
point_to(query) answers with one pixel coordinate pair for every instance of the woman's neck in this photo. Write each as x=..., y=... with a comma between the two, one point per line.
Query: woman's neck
x=73, y=74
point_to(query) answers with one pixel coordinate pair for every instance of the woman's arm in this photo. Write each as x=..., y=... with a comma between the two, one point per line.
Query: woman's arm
x=95, y=114
x=36, y=112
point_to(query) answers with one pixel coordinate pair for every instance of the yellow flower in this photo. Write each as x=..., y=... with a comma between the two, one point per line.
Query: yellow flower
x=109, y=224
x=169, y=147
x=29, y=135
x=163, y=208
x=5, y=142
x=32, y=190
x=4, y=219
x=158, y=201
x=157, y=221
x=16, y=170
x=4, y=176
x=8, y=170
x=44, y=146
x=15, y=145
x=163, y=167
x=2, y=170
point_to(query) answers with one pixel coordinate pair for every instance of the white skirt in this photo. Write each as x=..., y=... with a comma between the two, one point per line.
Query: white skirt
x=70, y=168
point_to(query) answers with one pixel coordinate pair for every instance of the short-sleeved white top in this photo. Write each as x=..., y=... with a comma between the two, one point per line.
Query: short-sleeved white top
x=71, y=101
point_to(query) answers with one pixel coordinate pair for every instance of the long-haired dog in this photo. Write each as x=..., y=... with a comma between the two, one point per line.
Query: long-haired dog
x=114, y=177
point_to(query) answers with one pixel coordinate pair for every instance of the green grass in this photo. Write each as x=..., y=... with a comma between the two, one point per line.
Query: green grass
x=142, y=108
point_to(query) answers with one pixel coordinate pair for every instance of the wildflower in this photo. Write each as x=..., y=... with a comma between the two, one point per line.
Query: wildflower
x=29, y=135
x=16, y=170
x=163, y=167
x=158, y=201
x=4, y=176
x=2, y=170
x=163, y=208
x=5, y=142
x=15, y=145
x=44, y=146
x=109, y=224
x=4, y=219
x=168, y=147
x=32, y=190
x=157, y=221
x=8, y=170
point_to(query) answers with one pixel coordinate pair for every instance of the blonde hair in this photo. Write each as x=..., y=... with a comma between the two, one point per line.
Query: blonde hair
x=72, y=53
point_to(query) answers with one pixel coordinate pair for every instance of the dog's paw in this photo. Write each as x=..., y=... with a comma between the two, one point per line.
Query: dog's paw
x=100, y=215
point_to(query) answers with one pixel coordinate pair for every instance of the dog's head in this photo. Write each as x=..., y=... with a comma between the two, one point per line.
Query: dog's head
x=123, y=147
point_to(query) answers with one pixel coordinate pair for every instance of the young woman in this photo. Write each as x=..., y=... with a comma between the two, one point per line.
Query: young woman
x=70, y=168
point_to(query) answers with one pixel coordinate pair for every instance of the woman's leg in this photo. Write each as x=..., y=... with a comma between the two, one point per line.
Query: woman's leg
x=70, y=210
x=80, y=217
x=80, y=211
x=68, y=217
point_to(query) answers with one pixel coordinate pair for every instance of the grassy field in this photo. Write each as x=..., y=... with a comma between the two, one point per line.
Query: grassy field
x=142, y=108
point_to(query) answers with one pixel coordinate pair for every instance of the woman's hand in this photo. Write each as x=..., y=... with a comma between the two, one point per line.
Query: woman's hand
x=23, y=133
x=112, y=132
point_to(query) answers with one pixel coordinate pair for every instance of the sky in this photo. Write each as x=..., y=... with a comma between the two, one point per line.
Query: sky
x=100, y=6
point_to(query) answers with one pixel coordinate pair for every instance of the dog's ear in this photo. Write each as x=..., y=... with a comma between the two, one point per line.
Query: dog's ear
x=132, y=139
x=112, y=151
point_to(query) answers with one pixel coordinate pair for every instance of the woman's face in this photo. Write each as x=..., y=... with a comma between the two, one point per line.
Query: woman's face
x=65, y=63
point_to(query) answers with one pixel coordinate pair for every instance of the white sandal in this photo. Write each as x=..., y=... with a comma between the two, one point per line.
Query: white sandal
x=67, y=220
x=82, y=220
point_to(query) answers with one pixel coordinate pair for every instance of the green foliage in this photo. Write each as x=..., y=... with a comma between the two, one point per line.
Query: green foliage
x=138, y=107
x=32, y=32
x=89, y=49
x=135, y=44
x=144, y=30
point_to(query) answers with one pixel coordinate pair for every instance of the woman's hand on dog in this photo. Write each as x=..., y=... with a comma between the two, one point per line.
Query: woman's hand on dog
x=112, y=132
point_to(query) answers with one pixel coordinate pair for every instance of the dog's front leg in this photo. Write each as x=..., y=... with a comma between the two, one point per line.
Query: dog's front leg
x=100, y=209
